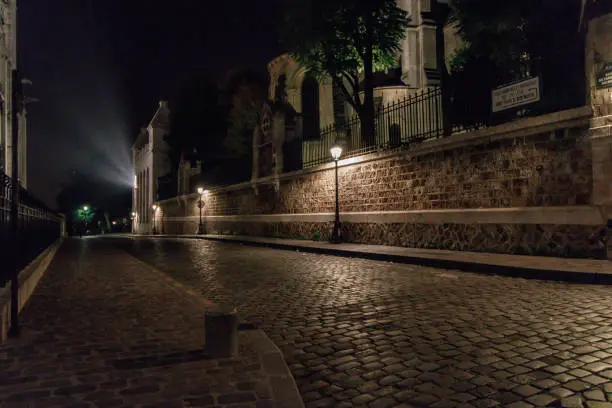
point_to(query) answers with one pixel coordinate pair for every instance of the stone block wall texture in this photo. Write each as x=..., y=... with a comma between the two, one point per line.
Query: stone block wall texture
x=547, y=169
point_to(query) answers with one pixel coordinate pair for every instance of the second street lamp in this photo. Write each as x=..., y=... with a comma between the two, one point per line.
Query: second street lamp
x=336, y=237
x=201, y=193
x=85, y=219
x=133, y=219
x=155, y=207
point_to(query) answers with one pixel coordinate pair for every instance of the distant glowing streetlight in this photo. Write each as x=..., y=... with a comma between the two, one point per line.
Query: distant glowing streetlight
x=155, y=208
x=84, y=218
x=114, y=222
x=336, y=152
x=201, y=193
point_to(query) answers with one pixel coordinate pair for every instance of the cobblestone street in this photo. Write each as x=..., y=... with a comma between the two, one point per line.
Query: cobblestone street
x=105, y=330
x=358, y=332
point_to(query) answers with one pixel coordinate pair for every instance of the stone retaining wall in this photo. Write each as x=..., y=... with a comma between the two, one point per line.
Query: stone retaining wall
x=535, y=162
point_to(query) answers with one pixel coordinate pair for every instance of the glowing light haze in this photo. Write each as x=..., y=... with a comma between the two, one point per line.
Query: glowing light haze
x=99, y=69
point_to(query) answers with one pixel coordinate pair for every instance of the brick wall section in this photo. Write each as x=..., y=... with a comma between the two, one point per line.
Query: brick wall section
x=548, y=169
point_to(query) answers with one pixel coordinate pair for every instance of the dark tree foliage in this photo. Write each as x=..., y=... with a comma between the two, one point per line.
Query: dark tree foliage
x=508, y=41
x=197, y=123
x=346, y=40
x=245, y=92
x=214, y=122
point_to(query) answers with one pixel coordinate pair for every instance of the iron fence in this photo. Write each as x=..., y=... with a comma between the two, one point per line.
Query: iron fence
x=37, y=228
x=413, y=119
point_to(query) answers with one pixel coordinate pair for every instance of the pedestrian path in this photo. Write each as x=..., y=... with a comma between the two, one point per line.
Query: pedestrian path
x=584, y=270
x=105, y=329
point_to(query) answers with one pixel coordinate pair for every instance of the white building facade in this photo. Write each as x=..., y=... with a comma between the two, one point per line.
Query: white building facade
x=8, y=63
x=150, y=162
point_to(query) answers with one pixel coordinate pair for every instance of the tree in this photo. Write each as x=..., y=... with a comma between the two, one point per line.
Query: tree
x=346, y=40
x=85, y=213
x=507, y=41
x=197, y=122
x=97, y=194
x=245, y=93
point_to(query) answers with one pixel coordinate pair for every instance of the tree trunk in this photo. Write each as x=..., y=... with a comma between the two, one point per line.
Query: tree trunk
x=367, y=115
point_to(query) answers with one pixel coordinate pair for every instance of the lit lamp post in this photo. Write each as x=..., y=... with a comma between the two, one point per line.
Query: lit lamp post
x=155, y=208
x=85, y=215
x=201, y=204
x=133, y=221
x=336, y=237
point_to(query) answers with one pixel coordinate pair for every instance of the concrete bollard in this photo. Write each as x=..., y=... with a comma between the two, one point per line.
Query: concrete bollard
x=221, y=335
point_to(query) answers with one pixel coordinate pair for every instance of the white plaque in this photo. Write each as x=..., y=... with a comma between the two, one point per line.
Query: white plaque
x=516, y=94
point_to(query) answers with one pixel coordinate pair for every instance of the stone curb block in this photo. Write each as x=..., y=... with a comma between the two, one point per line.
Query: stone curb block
x=477, y=267
x=28, y=280
x=282, y=384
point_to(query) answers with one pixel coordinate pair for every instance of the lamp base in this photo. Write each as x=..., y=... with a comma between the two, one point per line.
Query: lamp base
x=336, y=235
x=201, y=230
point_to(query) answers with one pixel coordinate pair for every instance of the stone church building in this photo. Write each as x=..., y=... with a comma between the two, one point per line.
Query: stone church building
x=301, y=105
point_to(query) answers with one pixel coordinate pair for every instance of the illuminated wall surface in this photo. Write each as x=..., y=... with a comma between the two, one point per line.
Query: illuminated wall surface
x=150, y=162
x=527, y=191
x=541, y=185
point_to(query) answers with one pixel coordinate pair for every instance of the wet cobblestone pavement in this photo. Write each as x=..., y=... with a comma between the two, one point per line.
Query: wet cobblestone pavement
x=105, y=330
x=367, y=333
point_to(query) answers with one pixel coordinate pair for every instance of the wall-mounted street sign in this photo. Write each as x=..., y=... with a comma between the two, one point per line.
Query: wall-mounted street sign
x=603, y=78
x=515, y=94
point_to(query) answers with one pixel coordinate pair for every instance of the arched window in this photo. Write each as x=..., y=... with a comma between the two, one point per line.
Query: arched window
x=310, y=107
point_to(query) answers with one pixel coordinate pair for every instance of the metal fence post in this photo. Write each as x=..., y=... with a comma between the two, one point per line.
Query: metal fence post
x=16, y=100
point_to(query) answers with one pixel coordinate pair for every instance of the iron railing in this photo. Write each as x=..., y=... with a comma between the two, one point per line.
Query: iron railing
x=37, y=228
x=413, y=119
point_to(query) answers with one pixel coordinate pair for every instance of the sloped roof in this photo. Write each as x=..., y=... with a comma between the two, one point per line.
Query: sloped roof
x=161, y=118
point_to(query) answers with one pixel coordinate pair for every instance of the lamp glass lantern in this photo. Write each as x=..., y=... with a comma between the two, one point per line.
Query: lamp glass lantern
x=336, y=151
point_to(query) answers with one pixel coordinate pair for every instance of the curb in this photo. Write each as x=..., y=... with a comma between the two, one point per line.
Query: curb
x=28, y=280
x=282, y=384
x=467, y=266
x=281, y=381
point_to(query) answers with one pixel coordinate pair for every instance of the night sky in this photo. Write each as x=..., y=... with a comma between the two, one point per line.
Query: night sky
x=99, y=69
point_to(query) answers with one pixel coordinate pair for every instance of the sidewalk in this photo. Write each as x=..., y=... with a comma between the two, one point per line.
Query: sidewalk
x=580, y=270
x=104, y=329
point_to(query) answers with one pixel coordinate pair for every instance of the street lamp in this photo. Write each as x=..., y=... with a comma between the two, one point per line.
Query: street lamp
x=201, y=193
x=133, y=220
x=85, y=216
x=336, y=237
x=155, y=207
